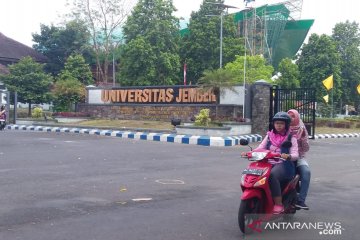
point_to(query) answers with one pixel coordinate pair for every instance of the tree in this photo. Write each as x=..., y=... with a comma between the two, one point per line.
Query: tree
x=289, y=74
x=200, y=48
x=70, y=85
x=58, y=43
x=66, y=91
x=218, y=80
x=150, y=56
x=347, y=38
x=29, y=80
x=318, y=60
x=139, y=64
x=79, y=69
x=256, y=69
x=103, y=19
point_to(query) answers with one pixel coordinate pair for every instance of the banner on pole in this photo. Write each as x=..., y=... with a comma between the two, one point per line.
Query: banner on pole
x=326, y=98
x=329, y=82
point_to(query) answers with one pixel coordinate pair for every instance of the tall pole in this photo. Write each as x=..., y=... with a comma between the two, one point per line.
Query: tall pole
x=244, y=92
x=222, y=7
x=15, y=107
x=332, y=102
x=113, y=63
x=221, y=37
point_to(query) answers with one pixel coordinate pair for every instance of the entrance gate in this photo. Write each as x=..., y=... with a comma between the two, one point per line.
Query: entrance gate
x=301, y=99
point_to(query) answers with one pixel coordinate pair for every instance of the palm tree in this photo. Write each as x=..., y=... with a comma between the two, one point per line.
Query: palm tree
x=218, y=81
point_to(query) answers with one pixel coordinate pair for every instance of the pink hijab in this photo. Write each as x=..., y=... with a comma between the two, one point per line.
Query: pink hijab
x=297, y=127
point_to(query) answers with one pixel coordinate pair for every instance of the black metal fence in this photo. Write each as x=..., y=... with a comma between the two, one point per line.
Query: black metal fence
x=301, y=99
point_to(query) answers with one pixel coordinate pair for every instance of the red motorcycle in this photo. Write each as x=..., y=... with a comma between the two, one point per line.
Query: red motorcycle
x=256, y=201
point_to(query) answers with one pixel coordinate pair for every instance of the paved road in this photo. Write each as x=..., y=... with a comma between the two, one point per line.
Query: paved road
x=81, y=187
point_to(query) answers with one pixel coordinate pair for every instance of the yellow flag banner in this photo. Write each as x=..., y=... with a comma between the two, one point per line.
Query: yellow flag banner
x=358, y=89
x=329, y=82
x=326, y=98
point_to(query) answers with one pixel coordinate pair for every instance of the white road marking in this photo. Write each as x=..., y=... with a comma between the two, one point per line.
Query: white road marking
x=141, y=199
x=170, y=181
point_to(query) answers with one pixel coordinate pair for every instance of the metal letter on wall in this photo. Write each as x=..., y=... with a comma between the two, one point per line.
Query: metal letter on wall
x=151, y=95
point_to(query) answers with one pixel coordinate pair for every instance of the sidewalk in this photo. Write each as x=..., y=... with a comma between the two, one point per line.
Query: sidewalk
x=344, y=135
x=144, y=135
x=170, y=137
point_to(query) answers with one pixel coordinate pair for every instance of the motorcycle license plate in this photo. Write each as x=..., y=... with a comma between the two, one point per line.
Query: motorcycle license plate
x=253, y=171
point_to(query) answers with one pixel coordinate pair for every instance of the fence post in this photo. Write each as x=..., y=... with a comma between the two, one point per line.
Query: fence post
x=15, y=107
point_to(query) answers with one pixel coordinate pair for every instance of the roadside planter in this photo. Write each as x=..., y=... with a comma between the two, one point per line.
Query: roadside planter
x=228, y=129
x=239, y=128
x=70, y=119
x=30, y=121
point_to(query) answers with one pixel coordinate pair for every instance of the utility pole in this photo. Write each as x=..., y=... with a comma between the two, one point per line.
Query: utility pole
x=221, y=37
x=113, y=63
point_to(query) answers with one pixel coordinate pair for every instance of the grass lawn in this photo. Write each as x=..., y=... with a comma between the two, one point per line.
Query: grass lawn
x=329, y=130
x=159, y=125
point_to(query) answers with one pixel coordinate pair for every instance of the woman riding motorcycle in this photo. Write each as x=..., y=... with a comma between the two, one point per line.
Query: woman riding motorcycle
x=283, y=170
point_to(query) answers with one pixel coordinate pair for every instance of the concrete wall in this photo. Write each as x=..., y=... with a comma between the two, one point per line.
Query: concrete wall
x=159, y=112
x=94, y=96
x=257, y=108
x=231, y=97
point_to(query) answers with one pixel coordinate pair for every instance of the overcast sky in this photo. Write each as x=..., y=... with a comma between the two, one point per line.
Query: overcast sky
x=20, y=18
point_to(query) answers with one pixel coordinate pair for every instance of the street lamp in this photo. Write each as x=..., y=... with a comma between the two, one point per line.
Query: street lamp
x=222, y=7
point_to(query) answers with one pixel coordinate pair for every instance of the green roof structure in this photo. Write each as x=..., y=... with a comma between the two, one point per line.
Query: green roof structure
x=270, y=30
x=291, y=39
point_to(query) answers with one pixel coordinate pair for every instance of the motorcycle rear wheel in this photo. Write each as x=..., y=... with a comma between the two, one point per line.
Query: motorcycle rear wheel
x=289, y=202
x=248, y=206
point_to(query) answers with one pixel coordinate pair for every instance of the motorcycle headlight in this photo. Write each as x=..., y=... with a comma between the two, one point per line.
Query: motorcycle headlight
x=256, y=156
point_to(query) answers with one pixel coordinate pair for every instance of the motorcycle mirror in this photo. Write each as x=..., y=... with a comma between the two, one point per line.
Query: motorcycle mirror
x=244, y=142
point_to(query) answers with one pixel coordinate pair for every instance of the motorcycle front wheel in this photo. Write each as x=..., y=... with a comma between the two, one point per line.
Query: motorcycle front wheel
x=246, y=209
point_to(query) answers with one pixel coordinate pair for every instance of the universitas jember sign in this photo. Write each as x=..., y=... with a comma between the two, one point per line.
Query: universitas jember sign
x=158, y=95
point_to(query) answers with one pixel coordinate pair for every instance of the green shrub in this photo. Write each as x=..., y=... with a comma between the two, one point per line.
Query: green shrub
x=324, y=110
x=203, y=118
x=338, y=122
x=37, y=113
x=353, y=118
x=20, y=114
